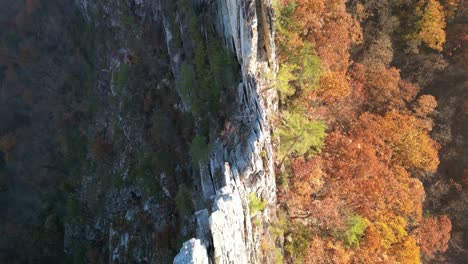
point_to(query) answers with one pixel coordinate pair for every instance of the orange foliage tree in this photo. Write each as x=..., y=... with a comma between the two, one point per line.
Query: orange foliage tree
x=334, y=86
x=406, y=137
x=328, y=26
x=433, y=234
x=382, y=87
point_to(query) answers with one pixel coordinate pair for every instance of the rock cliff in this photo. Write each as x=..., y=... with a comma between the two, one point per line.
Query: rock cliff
x=239, y=164
x=247, y=166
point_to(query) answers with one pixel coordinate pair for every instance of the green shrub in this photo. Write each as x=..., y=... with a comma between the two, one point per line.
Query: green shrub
x=128, y=20
x=283, y=80
x=285, y=25
x=145, y=169
x=186, y=125
x=118, y=136
x=199, y=149
x=279, y=226
x=356, y=227
x=257, y=221
x=255, y=204
x=73, y=210
x=75, y=155
x=299, y=136
x=142, y=166
x=183, y=201
x=163, y=129
x=207, y=73
x=278, y=255
x=186, y=87
x=301, y=237
x=120, y=78
x=108, y=178
x=310, y=68
x=282, y=180
x=53, y=223
x=223, y=65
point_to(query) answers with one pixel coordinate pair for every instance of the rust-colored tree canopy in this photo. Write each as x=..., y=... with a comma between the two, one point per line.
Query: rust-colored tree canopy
x=433, y=234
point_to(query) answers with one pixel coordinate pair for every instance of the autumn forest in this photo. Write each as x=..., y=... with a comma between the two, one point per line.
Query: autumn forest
x=234, y=131
x=356, y=76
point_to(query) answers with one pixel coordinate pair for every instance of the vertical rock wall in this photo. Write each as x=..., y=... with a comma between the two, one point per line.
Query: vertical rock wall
x=225, y=232
x=246, y=26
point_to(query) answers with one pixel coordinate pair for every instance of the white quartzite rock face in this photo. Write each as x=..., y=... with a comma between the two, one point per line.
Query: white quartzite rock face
x=227, y=228
x=192, y=252
x=248, y=166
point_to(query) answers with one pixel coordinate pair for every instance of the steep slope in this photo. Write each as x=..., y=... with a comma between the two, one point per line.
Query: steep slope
x=239, y=157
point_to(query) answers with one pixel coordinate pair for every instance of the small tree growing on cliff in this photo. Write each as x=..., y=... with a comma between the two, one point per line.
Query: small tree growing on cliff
x=199, y=149
x=183, y=201
x=255, y=204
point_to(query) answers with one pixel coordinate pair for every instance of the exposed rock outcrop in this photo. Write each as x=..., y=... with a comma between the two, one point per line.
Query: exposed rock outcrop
x=192, y=252
x=248, y=165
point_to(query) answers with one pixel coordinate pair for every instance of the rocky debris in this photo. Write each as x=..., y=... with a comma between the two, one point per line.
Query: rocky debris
x=192, y=252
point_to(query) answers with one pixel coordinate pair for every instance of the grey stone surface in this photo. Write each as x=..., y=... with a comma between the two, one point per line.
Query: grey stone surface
x=192, y=252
